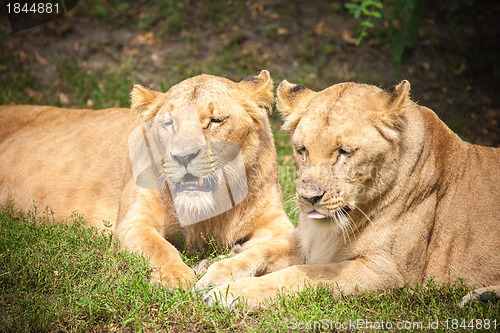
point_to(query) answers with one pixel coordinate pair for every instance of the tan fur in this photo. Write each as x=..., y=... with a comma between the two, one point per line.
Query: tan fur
x=77, y=160
x=404, y=199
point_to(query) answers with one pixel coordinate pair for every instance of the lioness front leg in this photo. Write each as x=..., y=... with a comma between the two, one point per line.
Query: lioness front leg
x=165, y=261
x=141, y=227
x=256, y=261
x=346, y=277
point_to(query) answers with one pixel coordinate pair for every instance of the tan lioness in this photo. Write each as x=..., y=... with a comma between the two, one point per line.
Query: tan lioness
x=388, y=196
x=78, y=160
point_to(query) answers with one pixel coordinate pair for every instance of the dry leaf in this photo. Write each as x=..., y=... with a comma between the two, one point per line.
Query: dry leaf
x=146, y=39
x=460, y=69
x=426, y=66
x=23, y=57
x=149, y=36
x=282, y=31
x=348, y=38
x=32, y=93
x=63, y=98
x=156, y=59
x=256, y=8
x=131, y=52
x=486, y=100
x=320, y=28
x=41, y=60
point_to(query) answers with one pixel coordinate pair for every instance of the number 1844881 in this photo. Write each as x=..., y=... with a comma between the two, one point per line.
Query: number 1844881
x=32, y=8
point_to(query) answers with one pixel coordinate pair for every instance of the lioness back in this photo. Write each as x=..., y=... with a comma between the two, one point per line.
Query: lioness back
x=68, y=159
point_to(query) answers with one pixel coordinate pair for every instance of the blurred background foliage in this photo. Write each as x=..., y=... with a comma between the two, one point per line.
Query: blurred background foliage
x=402, y=20
x=93, y=55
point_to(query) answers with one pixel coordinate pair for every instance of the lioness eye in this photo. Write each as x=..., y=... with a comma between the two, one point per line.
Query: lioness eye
x=167, y=123
x=217, y=121
x=301, y=150
x=346, y=152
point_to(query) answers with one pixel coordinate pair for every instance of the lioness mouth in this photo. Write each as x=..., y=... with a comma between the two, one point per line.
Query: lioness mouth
x=345, y=209
x=317, y=215
x=193, y=183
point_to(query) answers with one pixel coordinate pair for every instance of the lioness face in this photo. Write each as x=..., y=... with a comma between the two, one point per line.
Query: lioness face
x=200, y=160
x=197, y=129
x=345, y=147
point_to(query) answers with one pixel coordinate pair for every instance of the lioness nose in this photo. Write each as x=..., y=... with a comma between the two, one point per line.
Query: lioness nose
x=312, y=197
x=185, y=159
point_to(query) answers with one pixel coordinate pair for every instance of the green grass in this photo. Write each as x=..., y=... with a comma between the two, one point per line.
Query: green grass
x=70, y=278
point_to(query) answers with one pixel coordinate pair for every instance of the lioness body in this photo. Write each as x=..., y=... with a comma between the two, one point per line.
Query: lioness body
x=78, y=160
x=388, y=195
x=72, y=160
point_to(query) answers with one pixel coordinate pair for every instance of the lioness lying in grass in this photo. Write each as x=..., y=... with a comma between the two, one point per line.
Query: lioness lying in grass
x=388, y=195
x=189, y=145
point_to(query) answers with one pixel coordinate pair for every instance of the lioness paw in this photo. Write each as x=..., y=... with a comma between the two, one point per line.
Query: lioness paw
x=221, y=296
x=184, y=277
x=248, y=292
x=482, y=295
x=222, y=273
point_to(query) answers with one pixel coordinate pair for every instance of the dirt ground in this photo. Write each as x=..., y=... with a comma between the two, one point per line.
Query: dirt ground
x=456, y=75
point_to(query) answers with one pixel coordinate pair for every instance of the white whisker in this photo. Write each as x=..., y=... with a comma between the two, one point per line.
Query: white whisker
x=345, y=231
x=369, y=220
x=353, y=228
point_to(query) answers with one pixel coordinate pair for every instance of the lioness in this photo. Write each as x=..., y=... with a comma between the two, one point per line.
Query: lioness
x=78, y=160
x=388, y=195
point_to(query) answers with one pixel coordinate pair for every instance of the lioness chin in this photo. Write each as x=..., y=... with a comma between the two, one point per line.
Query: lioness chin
x=78, y=160
x=388, y=195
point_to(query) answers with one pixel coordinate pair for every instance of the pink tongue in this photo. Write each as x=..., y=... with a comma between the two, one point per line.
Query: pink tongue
x=315, y=215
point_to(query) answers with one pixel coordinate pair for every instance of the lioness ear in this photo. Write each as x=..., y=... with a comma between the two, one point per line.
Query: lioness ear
x=144, y=101
x=400, y=93
x=292, y=101
x=388, y=120
x=258, y=88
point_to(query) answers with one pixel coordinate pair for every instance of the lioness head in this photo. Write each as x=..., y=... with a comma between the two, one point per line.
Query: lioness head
x=197, y=139
x=345, y=142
